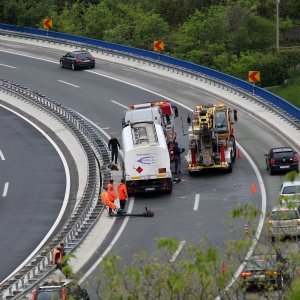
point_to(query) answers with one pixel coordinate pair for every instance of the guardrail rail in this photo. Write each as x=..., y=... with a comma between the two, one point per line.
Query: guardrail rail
x=236, y=85
x=86, y=212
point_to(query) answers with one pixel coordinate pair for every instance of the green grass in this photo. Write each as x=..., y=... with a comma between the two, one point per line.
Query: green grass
x=289, y=91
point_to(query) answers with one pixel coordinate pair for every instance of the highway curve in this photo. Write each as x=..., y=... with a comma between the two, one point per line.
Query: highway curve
x=175, y=216
x=32, y=188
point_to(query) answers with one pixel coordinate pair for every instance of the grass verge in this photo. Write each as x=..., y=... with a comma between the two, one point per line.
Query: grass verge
x=289, y=91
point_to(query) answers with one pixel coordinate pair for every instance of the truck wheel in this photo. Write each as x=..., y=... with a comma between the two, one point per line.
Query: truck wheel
x=193, y=174
x=229, y=170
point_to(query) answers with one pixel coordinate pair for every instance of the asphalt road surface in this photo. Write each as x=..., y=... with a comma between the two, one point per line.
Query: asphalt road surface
x=32, y=188
x=96, y=97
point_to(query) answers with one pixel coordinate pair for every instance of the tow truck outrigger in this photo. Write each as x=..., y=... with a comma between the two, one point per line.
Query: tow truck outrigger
x=211, y=138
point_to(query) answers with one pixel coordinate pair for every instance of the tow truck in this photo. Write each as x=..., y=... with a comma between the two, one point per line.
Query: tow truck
x=211, y=138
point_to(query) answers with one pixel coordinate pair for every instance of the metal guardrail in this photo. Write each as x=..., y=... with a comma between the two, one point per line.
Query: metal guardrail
x=278, y=105
x=87, y=211
x=274, y=103
x=154, y=58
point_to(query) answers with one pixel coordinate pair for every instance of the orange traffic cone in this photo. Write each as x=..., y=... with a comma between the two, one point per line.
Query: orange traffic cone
x=239, y=153
x=253, y=188
x=246, y=230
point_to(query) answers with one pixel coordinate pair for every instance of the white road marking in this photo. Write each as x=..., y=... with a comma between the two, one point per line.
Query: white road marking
x=100, y=129
x=120, y=104
x=262, y=187
x=106, y=128
x=113, y=242
x=261, y=219
x=66, y=197
x=176, y=254
x=1, y=155
x=68, y=83
x=7, y=66
x=196, y=204
x=5, y=189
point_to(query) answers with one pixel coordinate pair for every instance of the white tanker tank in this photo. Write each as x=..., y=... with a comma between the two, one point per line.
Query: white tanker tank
x=146, y=158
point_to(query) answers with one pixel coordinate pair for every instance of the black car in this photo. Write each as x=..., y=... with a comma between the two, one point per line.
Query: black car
x=77, y=60
x=60, y=291
x=283, y=159
x=266, y=271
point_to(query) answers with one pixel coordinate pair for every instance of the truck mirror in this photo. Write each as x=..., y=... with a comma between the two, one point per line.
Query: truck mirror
x=235, y=115
x=189, y=120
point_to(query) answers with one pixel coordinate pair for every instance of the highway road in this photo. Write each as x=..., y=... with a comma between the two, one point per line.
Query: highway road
x=95, y=94
x=32, y=188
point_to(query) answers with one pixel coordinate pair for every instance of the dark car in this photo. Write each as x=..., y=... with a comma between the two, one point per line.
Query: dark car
x=266, y=271
x=283, y=159
x=60, y=291
x=77, y=60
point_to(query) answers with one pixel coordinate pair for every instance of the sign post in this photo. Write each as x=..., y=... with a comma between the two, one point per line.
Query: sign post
x=254, y=77
x=159, y=46
x=47, y=24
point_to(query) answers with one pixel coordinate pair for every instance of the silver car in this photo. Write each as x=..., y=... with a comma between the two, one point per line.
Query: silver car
x=284, y=221
x=290, y=191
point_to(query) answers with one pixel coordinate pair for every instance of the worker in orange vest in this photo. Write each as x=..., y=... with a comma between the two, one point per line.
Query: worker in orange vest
x=123, y=195
x=112, y=195
x=105, y=200
x=57, y=257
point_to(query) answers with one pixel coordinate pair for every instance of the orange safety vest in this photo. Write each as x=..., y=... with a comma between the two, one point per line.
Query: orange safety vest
x=105, y=200
x=104, y=196
x=112, y=195
x=122, y=191
x=59, y=260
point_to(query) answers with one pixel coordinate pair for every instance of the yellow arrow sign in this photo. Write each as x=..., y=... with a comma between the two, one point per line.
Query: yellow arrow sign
x=47, y=23
x=254, y=76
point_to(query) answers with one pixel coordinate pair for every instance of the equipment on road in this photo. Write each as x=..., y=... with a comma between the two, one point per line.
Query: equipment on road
x=211, y=138
x=122, y=213
x=146, y=158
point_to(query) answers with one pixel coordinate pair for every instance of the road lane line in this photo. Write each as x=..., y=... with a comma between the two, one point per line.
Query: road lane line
x=196, y=204
x=1, y=155
x=113, y=242
x=260, y=223
x=262, y=187
x=101, y=129
x=5, y=189
x=176, y=254
x=66, y=196
x=68, y=83
x=7, y=66
x=120, y=104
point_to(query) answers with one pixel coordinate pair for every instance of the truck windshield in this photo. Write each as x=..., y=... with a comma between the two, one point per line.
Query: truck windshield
x=221, y=122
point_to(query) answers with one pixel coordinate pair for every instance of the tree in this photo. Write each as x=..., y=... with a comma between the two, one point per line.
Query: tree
x=135, y=27
x=71, y=20
x=97, y=19
x=199, y=272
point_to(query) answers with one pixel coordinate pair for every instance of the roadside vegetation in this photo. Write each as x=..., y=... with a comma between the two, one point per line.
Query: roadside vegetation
x=201, y=271
x=232, y=36
x=289, y=91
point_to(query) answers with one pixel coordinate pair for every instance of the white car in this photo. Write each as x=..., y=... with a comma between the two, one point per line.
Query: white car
x=290, y=190
x=284, y=221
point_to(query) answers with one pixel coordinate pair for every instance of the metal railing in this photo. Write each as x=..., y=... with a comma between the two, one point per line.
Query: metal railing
x=164, y=61
x=233, y=85
x=86, y=212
